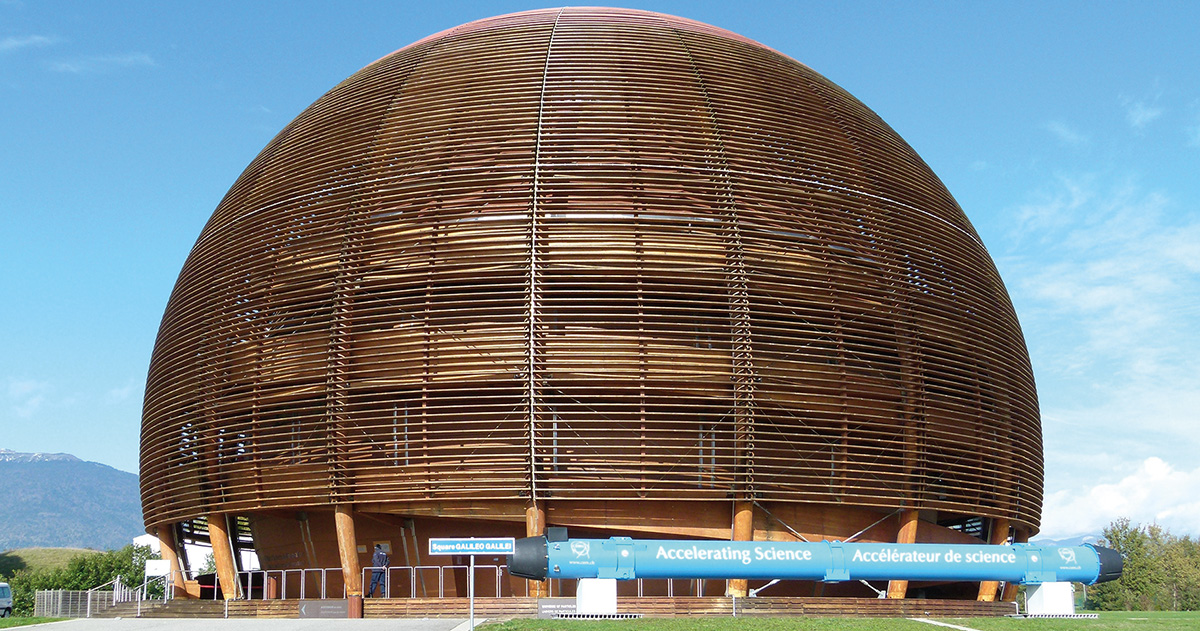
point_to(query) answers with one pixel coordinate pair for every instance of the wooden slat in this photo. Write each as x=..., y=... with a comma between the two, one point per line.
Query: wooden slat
x=660, y=607
x=589, y=255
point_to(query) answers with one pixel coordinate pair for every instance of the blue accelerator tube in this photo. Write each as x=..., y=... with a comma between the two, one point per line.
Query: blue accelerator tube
x=830, y=561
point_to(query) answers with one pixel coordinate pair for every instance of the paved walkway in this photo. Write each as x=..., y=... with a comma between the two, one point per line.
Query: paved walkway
x=253, y=624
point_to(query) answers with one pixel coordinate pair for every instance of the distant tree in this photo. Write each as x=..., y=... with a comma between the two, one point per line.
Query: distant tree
x=129, y=563
x=1161, y=573
x=25, y=583
x=1126, y=593
x=82, y=572
x=1181, y=562
x=209, y=566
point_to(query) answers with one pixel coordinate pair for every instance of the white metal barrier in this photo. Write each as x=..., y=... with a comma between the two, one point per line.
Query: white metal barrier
x=411, y=574
x=420, y=581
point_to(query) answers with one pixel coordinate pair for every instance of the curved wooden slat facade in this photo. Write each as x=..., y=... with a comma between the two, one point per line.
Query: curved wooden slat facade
x=588, y=255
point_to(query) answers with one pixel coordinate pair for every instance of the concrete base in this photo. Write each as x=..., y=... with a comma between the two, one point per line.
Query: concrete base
x=596, y=596
x=1050, y=599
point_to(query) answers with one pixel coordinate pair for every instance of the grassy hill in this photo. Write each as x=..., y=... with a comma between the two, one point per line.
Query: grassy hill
x=38, y=558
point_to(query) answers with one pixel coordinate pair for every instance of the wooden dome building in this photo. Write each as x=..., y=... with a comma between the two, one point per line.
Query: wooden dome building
x=597, y=268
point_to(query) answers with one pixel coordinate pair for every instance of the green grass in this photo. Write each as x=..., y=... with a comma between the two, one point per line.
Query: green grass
x=38, y=558
x=740, y=623
x=1109, y=621
x=8, y=623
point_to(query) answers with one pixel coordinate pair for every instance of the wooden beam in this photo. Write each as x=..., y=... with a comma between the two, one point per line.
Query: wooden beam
x=1020, y=535
x=987, y=589
x=343, y=515
x=743, y=530
x=491, y=510
x=907, y=534
x=170, y=552
x=535, y=525
x=700, y=520
x=218, y=535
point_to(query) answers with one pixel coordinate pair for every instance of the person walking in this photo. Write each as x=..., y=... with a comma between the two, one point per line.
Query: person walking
x=379, y=565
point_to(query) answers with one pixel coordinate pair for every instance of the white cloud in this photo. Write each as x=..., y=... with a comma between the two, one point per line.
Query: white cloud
x=1054, y=210
x=24, y=397
x=1139, y=113
x=102, y=63
x=122, y=393
x=1111, y=426
x=1156, y=492
x=1106, y=276
x=1116, y=273
x=1183, y=248
x=1193, y=135
x=15, y=43
x=1067, y=134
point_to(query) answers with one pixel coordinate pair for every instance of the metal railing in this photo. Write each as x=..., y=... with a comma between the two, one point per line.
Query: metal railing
x=119, y=591
x=307, y=583
x=420, y=581
x=407, y=576
x=407, y=581
x=70, y=603
x=153, y=588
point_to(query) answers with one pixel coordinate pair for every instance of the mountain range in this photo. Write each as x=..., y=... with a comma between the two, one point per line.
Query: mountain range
x=1071, y=541
x=58, y=500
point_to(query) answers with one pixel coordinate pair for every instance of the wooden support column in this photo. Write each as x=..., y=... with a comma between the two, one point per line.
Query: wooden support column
x=170, y=553
x=535, y=526
x=743, y=530
x=1020, y=535
x=906, y=534
x=343, y=516
x=218, y=536
x=987, y=589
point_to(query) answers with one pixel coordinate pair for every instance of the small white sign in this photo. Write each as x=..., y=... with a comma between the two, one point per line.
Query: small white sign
x=472, y=545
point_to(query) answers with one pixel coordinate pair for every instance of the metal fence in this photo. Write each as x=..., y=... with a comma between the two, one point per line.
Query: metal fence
x=430, y=581
x=70, y=603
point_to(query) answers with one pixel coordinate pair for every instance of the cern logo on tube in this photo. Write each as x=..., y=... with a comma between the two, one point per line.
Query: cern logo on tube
x=581, y=549
x=1068, y=555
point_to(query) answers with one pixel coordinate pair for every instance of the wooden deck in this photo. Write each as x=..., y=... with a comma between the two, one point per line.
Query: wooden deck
x=655, y=607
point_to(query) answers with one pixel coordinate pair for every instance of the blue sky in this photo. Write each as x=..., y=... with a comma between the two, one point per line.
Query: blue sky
x=1069, y=132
